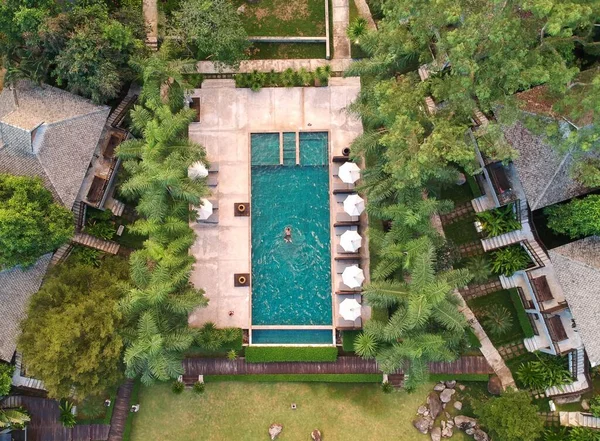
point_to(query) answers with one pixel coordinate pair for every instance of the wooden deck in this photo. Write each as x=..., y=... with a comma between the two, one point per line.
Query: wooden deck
x=120, y=412
x=343, y=365
x=45, y=426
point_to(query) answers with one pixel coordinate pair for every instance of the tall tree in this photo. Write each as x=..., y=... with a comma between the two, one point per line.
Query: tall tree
x=31, y=223
x=209, y=29
x=71, y=337
x=578, y=218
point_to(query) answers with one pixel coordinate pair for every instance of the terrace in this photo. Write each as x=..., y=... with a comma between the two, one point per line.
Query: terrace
x=227, y=119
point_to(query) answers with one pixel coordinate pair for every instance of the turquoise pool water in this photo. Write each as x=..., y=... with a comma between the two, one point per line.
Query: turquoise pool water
x=292, y=336
x=291, y=282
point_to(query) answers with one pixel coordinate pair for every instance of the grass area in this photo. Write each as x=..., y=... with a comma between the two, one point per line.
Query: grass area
x=459, y=194
x=244, y=411
x=273, y=354
x=298, y=378
x=461, y=231
x=274, y=51
x=348, y=338
x=502, y=298
x=105, y=418
x=283, y=18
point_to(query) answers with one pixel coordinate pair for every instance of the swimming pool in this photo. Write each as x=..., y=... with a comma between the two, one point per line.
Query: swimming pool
x=291, y=282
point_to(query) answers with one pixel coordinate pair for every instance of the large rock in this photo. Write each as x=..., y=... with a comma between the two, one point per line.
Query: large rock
x=494, y=385
x=421, y=410
x=446, y=395
x=447, y=432
x=480, y=435
x=464, y=422
x=451, y=384
x=435, y=405
x=439, y=387
x=458, y=405
x=316, y=435
x=436, y=434
x=275, y=430
x=422, y=425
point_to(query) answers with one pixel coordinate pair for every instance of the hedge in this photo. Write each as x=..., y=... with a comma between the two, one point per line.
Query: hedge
x=459, y=377
x=304, y=378
x=271, y=354
x=472, y=183
x=521, y=314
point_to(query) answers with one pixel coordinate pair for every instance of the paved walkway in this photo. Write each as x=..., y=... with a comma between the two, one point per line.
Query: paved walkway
x=343, y=365
x=120, y=412
x=341, y=19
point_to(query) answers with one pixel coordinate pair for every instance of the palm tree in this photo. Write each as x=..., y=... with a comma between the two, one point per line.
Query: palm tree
x=357, y=29
x=11, y=418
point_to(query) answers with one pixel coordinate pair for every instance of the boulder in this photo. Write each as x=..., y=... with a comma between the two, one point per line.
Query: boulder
x=447, y=432
x=275, y=430
x=585, y=405
x=446, y=395
x=448, y=416
x=480, y=435
x=439, y=387
x=435, y=405
x=451, y=384
x=422, y=425
x=421, y=410
x=470, y=431
x=458, y=405
x=316, y=435
x=461, y=387
x=494, y=385
x=464, y=422
x=436, y=434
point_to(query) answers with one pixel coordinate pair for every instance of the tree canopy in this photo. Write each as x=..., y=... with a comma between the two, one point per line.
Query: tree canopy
x=72, y=334
x=209, y=29
x=578, y=218
x=31, y=223
x=511, y=417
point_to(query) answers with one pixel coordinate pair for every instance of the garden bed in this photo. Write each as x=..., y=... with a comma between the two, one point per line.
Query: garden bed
x=288, y=51
x=481, y=307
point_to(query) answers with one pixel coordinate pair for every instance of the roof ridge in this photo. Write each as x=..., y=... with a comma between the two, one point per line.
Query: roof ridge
x=76, y=117
x=551, y=180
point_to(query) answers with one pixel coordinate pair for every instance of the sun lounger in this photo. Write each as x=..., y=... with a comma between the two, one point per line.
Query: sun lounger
x=211, y=180
x=342, y=216
x=340, y=187
x=340, y=266
x=342, y=229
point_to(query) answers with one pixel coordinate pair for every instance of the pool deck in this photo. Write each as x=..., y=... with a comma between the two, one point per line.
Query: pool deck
x=227, y=117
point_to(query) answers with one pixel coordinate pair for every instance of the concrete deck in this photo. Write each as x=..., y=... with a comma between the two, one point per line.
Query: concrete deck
x=227, y=117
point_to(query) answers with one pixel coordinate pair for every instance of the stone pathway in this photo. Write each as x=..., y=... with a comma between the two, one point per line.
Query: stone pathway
x=474, y=291
x=341, y=19
x=512, y=350
x=459, y=212
x=471, y=249
x=488, y=350
x=550, y=418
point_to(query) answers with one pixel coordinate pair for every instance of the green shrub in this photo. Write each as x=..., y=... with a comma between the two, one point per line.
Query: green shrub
x=211, y=338
x=578, y=218
x=547, y=371
x=472, y=183
x=6, y=373
x=199, y=387
x=583, y=434
x=595, y=406
x=386, y=387
x=497, y=320
x=271, y=354
x=297, y=378
x=66, y=414
x=365, y=345
x=479, y=268
x=521, y=314
x=472, y=339
x=177, y=387
x=499, y=220
x=87, y=256
x=510, y=259
x=232, y=354
x=288, y=77
x=101, y=228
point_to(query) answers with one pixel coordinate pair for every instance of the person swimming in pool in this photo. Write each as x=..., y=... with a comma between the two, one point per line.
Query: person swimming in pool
x=287, y=234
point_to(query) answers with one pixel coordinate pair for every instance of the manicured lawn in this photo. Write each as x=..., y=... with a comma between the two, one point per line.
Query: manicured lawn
x=461, y=231
x=275, y=51
x=298, y=18
x=482, y=304
x=459, y=194
x=230, y=411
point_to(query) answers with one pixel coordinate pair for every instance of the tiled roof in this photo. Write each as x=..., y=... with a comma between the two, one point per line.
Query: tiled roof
x=17, y=285
x=577, y=267
x=542, y=170
x=64, y=145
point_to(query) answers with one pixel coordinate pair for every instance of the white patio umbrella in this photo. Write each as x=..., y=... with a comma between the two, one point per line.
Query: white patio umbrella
x=350, y=309
x=197, y=170
x=350, y=241
x=205, y=211
x=354, y=205
x=353, y=276
x=349, y=172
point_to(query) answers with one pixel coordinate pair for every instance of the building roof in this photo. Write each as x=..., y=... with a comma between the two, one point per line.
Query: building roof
x=577, y=267
x=544, y=172
x=51, y=133
x=17, y=285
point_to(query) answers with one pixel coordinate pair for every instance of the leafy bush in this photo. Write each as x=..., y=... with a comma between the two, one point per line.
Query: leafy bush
x=556, y=434
x=595, y=406
x=545, y=372
x=365, y=345
x=6, y=372
x=199, y=387
x=86, y=256
x=232, y=354
x=66, y=414
x=472, y=339
x=499, y=221
x=271, y=354
x=211, y=338
x=177, y=387
x=288, y=77
x=521, y=314
x=479, y=268
x=357, y=29
x=497, y=320
x=387, y=387
x=102, y=229
x=583, y=434
x=580, y=217
x=297, y=378
x=510, y=259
